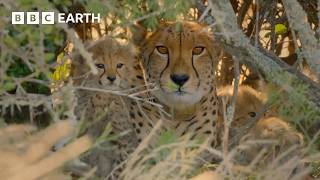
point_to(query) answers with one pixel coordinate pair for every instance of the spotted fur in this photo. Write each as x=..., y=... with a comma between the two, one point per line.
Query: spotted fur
x=282, y=135
x=181, y=49
x=250, y=104
x=118, y=70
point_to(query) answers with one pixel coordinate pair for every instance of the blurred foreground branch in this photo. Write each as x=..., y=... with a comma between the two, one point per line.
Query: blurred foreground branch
x=28, y=157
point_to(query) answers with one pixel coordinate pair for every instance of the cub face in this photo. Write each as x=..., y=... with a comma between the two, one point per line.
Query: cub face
x=249, y=103
x=180, y=59
x=114, y=62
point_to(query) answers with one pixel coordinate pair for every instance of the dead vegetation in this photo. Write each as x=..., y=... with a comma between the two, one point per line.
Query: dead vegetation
x=25, y=153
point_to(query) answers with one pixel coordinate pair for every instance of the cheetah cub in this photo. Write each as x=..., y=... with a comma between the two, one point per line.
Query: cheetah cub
x=116, y=64
x=274, y=140
x=118, y=69
x=249, y=104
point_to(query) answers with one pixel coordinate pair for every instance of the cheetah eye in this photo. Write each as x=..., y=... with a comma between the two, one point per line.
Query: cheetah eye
x=197, y=50
x=100, y=66
x=252, y=114
x=162, y=49
x=119, y=65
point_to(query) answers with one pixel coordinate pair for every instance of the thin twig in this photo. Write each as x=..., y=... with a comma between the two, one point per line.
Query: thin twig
x=298, y=63
x=256, y=42
x=78, y=45
x=311, y=48
x=119, y=93
x=272, y=22
x=243, y=11
x=231, y=107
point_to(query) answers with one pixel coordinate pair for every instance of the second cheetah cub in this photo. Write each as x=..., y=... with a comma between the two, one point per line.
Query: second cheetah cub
x=249, y=104
x=273, y=137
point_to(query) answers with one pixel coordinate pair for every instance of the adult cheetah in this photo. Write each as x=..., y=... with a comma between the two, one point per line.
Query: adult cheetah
x=180, y=60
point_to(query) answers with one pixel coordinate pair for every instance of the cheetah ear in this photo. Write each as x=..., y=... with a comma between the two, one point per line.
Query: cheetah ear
x=138, y=34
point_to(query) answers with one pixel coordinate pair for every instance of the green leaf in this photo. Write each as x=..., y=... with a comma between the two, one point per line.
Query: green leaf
x=97, y=7
x=26, y=3
x=167, y=138
x=280, y=29
x=9, y=86
x=47, y=29
x=49, y=57
x=11, y=42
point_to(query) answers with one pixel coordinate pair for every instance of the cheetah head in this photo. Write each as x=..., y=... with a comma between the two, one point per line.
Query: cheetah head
x=114, y=62
x=249, y=103
x=180, y=59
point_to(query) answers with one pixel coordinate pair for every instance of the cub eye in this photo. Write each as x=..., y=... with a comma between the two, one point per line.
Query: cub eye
x=119, y=65
x=162, y=49
x=197, y=50
x=252, y=114
x=100, y=66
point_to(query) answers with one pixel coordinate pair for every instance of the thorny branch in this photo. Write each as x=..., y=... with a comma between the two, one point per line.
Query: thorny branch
x=237, y=44
x=120, y=93
x=78, y=45
x=229, y=115
x=310, y=46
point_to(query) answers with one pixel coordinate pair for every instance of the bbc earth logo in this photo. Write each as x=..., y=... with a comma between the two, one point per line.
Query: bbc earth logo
x=52, y=18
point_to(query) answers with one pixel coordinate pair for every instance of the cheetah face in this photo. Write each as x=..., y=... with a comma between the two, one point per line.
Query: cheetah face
x=111, y=71
x=249, y=103
x=180, y=60
x=114, y=62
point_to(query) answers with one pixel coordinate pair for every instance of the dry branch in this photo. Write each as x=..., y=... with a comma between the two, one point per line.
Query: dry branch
x=25, y=156
x=237, y=44
x=310, y=46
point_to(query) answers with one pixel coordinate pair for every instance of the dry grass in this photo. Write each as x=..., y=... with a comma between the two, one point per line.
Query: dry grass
x=25, y=153
x=181, y=161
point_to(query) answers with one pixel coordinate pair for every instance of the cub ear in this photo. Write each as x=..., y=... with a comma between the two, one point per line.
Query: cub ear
x=138, y=34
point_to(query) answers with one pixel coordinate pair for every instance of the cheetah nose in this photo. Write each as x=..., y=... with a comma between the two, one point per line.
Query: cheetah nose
x=179, y=79
x=111, y=78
